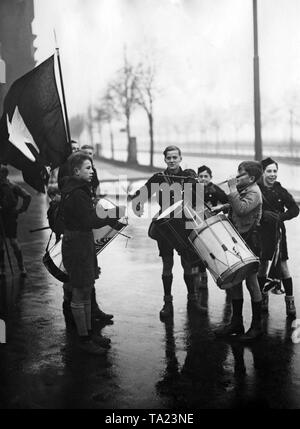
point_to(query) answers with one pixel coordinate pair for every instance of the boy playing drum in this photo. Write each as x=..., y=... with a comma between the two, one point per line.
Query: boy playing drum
x=245, y=212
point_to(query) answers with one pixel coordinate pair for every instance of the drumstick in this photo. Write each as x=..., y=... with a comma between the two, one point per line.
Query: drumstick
x=196, y=178
x=39, y=229
x=227, y=180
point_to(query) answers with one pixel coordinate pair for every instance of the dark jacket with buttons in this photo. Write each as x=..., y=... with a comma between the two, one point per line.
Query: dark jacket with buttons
x=213, y=195
x=277, y=199
x=279, y=202
x=167, y=197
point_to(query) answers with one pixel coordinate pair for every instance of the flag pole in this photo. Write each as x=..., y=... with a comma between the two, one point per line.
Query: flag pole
x=62, y=90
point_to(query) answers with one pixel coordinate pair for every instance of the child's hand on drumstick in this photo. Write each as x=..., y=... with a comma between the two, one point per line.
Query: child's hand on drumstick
x=218, y=208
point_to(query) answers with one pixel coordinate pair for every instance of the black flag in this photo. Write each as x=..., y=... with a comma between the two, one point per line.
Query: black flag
x=32, y=130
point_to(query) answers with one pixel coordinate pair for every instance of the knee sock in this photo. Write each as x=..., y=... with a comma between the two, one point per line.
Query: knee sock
x=167, y=283
x=78, y=312
x=189, y=281
x=256, y=312
x=288, y=286
x=261, y=282
x=88, y=312
x=237, y=310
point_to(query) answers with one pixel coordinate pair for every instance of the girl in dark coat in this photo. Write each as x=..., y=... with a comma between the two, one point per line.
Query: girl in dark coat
x=78, y=249
x=278, y=207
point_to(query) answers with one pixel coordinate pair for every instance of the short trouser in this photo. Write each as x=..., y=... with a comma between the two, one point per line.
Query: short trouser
x=10, y=225
x=269, y=238
x=253, y=240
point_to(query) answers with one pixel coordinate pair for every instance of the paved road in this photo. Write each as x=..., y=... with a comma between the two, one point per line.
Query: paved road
x=150, y=364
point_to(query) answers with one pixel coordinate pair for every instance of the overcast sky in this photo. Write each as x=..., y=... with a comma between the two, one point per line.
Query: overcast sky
x=204, y=50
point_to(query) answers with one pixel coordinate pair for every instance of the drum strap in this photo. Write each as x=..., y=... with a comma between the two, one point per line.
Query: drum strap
x=47, y=247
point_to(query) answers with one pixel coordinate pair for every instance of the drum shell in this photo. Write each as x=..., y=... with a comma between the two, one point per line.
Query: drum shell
x=224, y=252
x=53, y=262
x=172, y=229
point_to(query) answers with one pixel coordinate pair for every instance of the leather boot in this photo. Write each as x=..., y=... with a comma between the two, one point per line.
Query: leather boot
x=167, y=310
x=290, y=306
x=235, y=327
x=255, y=331
x=98, y=314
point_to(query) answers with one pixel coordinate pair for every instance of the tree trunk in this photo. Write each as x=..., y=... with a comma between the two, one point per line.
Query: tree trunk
x=112, y=146
x=150, y=118
x=131, y=149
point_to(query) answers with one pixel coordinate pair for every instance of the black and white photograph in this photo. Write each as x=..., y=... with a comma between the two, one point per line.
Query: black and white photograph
x=149, y=207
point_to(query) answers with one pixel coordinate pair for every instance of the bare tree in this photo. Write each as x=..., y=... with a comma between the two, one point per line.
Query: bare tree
x=105, y=113
x=146, y=91
x=123, y=91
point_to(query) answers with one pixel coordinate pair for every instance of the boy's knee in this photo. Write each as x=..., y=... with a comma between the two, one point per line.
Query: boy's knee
x=80, y=294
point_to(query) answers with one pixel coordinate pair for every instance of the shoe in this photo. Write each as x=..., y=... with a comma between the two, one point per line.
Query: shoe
x=265, y=302
x=91, y=348
x=167, y=310
x=233, y=328
x=290, y=306
x=100, y=340
x=253, y=333
x=98, y=314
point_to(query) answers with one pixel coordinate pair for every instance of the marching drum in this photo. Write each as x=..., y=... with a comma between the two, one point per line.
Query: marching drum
x=171, y=225
x=102, y=237
x=223, y=251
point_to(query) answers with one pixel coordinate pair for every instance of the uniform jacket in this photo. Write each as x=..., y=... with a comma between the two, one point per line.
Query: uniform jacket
x=245, y=208
x=213, y=195
x=277, y=199
x=78, y=249
x=150, y=189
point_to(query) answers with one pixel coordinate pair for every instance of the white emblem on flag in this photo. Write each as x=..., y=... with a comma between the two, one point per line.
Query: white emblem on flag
x=19, y=135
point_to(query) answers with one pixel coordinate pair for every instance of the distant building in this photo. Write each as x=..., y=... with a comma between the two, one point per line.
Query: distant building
x=16, y=40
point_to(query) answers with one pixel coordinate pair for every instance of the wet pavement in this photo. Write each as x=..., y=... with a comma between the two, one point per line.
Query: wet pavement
x=151, y=364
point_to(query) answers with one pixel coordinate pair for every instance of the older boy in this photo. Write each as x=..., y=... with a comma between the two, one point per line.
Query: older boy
x=168, y=243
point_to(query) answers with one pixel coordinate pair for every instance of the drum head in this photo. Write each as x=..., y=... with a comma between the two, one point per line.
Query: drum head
x=236, y=274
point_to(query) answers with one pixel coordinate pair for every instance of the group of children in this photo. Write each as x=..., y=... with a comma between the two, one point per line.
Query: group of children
x=256, y=203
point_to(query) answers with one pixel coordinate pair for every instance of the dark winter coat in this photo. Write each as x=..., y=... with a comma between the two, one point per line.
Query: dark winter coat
x=78, y=249
x=213, y=195
x=278, y=206
x=150, y=188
